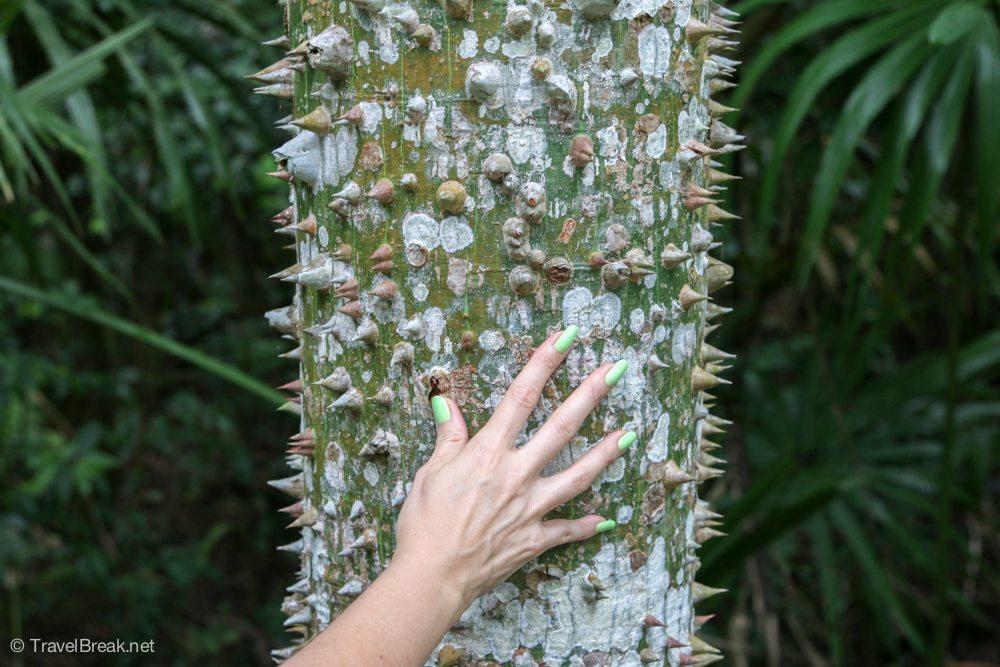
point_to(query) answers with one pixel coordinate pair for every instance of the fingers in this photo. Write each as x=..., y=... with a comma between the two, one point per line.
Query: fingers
x=523, y=394
x=568, y=417
x=574, y=480
x=564, y=531
x=451, y=431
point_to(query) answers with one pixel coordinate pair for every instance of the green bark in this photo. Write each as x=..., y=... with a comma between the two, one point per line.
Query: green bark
x=595, y=134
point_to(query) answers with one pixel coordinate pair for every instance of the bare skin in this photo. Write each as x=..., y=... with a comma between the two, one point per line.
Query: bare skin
x=474, y=515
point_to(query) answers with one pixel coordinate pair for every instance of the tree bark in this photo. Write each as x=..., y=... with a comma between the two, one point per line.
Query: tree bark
x=464, y=180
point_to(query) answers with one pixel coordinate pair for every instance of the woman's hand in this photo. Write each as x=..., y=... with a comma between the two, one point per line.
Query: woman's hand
x=475, y=511
x=473, y=516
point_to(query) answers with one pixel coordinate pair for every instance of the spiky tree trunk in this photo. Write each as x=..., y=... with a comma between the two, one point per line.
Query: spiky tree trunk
x=466, y=178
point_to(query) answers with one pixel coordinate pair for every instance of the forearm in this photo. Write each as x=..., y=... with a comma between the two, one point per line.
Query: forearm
x=398, y=620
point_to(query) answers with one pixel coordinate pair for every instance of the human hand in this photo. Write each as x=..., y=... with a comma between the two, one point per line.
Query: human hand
x=475, y=511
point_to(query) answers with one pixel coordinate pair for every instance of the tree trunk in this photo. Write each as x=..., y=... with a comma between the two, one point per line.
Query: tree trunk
x=464, y=180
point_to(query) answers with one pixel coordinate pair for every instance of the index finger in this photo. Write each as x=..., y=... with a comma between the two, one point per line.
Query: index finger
x=524, y=392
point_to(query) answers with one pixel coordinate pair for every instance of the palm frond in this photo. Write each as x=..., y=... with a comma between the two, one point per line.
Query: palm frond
x=145, y=335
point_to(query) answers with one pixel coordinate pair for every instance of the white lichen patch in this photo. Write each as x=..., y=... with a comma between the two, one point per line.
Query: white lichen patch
x=636, y=319
x=656, y=143
x=604, y=46
x=624, y=514
x=333, y=473
x=371, y=117
x=630, y=9
x=613, y=473
x=455, y=234
x=340, y=150
x=682, y=343
x=492, y=340
x=422, y=229
x=609, y=147
x=685, y=128
x=628, y=393
x=419, y=291
x=469, y=45
x=434, y=323
x=598, y=317
x=658, y=448
x=526, y=142
x=654, y=51
x=682, y=12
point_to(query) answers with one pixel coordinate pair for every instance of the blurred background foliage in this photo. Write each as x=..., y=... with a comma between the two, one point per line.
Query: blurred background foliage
x=861, y=494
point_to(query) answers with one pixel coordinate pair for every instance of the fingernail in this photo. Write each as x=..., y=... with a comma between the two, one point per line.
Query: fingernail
x=616, y=372
x=607, y=525
x=439, y=407
x=626, y=440
x=566, y=338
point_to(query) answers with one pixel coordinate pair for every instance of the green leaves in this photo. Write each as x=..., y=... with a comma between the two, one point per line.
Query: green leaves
x=956, y=21
x=56, y=126
x=862, y=411
x=66, y=78
x=843, y=494
x=840, y=56
x=145, y=335
x=802, y=26
x=987, y=83
x=135, y=432
x=880, y=84
x=8, y=12
x=894, y=42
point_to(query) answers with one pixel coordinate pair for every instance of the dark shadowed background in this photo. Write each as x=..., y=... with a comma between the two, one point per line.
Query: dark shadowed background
x=137, y=423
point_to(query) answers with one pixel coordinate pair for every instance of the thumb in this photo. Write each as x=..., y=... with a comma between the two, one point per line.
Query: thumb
x=451, y=431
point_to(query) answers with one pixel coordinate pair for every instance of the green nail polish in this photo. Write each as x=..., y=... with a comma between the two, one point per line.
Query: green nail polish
x=626, y=440
x=607, y=525
x=566, y=338
x=616, y=372
x=439, y=407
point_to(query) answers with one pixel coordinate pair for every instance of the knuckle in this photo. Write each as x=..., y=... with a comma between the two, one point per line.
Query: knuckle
x=543, y=355
x=611, y=451
x=579, y=482
x=421, y=475
x=517, y=479
x=537, y=543
x=564, y=429
x=488, y=457
x=449, y=437
x=523, y=395
x=595, y=390
x=550, y=357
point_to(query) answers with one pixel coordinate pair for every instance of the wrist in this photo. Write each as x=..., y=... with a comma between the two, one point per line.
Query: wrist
x=434, y=583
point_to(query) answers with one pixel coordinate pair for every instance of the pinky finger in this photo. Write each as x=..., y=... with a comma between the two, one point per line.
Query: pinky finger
x=564, y=531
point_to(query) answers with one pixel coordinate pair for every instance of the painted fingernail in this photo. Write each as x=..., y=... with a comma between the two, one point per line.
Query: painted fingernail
x=439, y=407
x=607, y=525
x=626, y=440
x=566, y=338
x=616, y=372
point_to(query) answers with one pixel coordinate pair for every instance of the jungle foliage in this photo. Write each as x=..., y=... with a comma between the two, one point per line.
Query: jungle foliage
x=137, y=426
